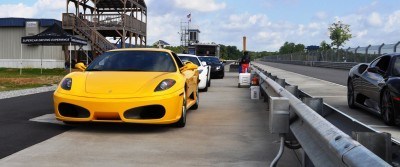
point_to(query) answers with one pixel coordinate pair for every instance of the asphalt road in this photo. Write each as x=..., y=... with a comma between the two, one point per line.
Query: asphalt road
x=16, y=131
x=328, y=74
x=228, y=129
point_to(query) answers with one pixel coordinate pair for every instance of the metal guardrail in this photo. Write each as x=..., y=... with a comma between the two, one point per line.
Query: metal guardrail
x=325, y=64
x=325, y=144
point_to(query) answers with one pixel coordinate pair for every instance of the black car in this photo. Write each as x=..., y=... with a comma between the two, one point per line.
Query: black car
x=217, y=67
x=376, y=87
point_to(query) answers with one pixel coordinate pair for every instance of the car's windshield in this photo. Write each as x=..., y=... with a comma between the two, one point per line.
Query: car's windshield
x=210, y=60
x=396, y=67
x=133, y=61
x=191, y=59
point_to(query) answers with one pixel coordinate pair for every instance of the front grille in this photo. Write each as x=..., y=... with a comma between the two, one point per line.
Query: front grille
x=74, y=111
x=145, y=112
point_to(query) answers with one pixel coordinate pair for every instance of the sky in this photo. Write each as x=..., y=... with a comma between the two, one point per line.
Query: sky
x=267, y=24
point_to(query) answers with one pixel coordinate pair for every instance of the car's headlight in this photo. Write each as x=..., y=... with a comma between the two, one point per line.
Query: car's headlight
x=165, y=84
x=66, y=84
x=218, y=67
x=201, y=70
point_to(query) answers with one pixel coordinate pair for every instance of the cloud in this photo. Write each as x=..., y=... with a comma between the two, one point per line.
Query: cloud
x=17, y=10
x=392, y=22
x=374, y=19
x=42, y=8
x=321, y=15
x=199, y=5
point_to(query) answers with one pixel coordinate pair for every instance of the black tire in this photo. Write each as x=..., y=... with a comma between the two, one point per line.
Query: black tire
x=387, y=109
x=196, y=105
x=182, y=121
x=205, y=89
x=350, y=94
x=209, y=83
x=238, y=85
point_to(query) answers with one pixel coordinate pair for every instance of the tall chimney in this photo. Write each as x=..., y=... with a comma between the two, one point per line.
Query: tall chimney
x=244, y=43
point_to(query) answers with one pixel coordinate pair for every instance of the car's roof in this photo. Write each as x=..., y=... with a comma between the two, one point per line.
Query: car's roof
x=391, y=54
x=208, y=57
x=141, y=49
x=188, y=55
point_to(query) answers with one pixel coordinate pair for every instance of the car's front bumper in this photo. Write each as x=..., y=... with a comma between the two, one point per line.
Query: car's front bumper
x=114, y=110
x=217, y=73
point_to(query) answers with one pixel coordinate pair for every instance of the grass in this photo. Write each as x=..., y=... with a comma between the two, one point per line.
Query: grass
x=10, y=78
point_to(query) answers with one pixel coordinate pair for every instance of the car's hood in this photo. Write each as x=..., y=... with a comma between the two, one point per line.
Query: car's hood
x=118, y=82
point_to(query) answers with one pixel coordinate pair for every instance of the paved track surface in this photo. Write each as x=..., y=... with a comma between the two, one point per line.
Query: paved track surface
x=16, y=131
x=328, y=74
x=228, y=129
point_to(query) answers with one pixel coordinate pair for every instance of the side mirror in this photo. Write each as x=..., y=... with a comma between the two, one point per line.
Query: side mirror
x=80, y=66
x=204, y=63
x=372, y=69
x=189, y=66
x=375, y=70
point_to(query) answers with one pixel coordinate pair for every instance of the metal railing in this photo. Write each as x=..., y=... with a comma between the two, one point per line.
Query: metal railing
x=325, y=144
x=113, y=22
x=79, y=25
x=358, y=54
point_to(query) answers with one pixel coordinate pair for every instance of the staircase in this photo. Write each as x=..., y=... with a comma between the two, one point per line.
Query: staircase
x=98, y=42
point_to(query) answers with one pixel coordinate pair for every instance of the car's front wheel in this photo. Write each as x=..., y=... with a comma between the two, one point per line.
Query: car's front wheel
x=182, y=121
x=387, y=109
x=350, y=94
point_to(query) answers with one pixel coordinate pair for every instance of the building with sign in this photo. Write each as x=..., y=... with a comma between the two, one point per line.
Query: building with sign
x=11, y=49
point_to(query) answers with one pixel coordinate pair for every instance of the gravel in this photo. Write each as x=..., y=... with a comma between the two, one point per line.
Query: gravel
x=23, y=92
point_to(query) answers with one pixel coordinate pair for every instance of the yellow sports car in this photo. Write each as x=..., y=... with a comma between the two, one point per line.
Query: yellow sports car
x=149, y=86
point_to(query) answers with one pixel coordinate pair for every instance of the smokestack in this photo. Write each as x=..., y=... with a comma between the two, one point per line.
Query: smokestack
x=244, y=43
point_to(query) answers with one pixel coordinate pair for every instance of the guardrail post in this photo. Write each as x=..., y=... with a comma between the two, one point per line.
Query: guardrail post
x=281, y=82
x=379, y=143
x=293, y=89
x=316, y=104
x=279, y=122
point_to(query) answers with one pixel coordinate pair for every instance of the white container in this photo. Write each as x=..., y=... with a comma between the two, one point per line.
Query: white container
x=244, y=79
x=255, y=92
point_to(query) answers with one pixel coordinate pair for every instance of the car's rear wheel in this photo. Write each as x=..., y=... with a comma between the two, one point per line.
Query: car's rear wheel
x=387, y=109
x=182, y=121
x=196, y=105
x=350, y=94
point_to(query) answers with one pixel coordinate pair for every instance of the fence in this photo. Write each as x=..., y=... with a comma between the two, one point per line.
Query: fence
x=358, y=54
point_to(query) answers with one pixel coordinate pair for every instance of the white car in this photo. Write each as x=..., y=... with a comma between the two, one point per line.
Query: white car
x=204, y=70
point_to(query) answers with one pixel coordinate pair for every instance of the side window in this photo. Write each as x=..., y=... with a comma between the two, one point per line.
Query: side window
x=373, y=64
x=177, y=60
x=383, y=64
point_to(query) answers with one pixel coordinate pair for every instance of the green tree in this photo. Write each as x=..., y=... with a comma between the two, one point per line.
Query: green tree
x=339, y=34
x=324, y=46
x=290, y=47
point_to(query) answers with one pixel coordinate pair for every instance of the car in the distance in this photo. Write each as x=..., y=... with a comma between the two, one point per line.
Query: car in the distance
x=217, y=67
x=147, y=86
x=376, y=87
x=204, y=70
